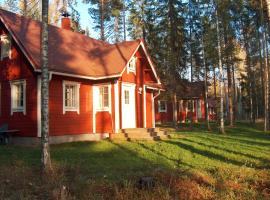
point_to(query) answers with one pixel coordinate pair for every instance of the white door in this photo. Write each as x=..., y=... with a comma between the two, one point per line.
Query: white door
x=128, y=106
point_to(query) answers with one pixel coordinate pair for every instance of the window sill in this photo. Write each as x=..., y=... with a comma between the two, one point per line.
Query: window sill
x=162, y=111
x=71, y=110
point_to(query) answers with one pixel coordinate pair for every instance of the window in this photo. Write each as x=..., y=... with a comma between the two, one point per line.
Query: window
x=71, y=93
x=126, y=97
x=5, y=46
x=132, y=65
x=18, y=96
x=162, y=106
x=103, y=97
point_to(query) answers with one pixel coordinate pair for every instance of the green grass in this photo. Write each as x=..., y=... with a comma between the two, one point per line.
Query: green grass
x=234, y=165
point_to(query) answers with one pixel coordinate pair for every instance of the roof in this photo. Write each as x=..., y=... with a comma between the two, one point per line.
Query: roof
x=69, y=52
x=191, y=89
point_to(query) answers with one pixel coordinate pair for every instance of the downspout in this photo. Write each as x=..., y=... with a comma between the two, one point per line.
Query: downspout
x=153, y=109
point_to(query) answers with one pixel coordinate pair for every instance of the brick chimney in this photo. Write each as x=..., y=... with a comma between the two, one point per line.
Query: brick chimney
x=66, y=21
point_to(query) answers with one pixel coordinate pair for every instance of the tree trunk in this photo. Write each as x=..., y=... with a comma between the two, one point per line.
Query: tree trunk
x=116, y=28
x=101, y=12
x=124, y=21
x=222, y=130
x=207, y=124
x=266, y=86
x=175, y=109
x=45, y=155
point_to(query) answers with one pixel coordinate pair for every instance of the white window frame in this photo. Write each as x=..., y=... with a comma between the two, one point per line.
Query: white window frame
x=132, y=65
x=107, y=108
x=159, y=106
x=76, y=108
x=12, y=95
x=2, y=37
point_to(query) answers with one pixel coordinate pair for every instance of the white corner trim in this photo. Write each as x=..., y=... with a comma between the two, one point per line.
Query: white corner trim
x=12, y=109
x=153, y=111
x=77, y=108
x=94, y=102
x=116, y=109
x=150, y=61
x=144, y=106
x=39, y=106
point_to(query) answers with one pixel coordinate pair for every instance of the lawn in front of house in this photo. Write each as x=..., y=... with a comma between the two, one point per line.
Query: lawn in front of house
x=203, y=164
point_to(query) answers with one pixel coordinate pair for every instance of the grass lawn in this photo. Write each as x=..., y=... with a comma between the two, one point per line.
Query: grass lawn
x=191, y=165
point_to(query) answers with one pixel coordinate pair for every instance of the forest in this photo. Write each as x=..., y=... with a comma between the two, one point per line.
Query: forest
x=224, y=43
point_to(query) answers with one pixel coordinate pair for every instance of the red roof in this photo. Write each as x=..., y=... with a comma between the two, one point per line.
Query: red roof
x=69, y=52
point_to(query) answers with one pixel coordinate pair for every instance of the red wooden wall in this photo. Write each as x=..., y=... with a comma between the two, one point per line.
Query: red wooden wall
x=18, y=68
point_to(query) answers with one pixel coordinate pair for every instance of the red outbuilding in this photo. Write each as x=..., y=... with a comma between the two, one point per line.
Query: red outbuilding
x=190, y=103
x=96, y=88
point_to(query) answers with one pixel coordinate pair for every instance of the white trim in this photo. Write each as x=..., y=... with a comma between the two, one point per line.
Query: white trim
x=144, y=106
x=133, y=86
x=84, y=77
x=159, y=109
x=129, y=60
x=150, y=61
x=129, y=84
x=39, y=106
x=77, y=100
x=153, y=108
x=13, y=110
x=153, y=111
x=132, y=61
x=116, y=106
x=96, y=102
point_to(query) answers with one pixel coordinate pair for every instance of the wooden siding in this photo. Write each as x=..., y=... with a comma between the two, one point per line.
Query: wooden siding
x=18, y=68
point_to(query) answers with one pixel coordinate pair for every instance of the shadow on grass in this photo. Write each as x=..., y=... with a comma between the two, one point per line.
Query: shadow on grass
x=263, y=160
x=208, y=154
x=178, y=162
x=231, y=140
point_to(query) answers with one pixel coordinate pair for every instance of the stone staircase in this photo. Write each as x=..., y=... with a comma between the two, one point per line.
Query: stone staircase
x=130, y=134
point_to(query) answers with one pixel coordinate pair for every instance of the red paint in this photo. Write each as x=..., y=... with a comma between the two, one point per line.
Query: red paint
x=66, y=23
x=70, y=123
x=15, y=69
x=143, y=75
x=149, y=114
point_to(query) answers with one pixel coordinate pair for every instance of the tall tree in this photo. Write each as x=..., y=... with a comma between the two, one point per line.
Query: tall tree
x=45, y=155
x=11, y=5
x=221, y=77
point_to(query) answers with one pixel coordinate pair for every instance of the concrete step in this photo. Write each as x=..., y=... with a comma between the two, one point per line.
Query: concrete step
x=140, y=134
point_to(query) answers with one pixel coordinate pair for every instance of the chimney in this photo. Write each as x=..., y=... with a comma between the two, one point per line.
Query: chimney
x=65, y=21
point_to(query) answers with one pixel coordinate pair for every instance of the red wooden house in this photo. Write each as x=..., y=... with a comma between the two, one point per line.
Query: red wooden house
x=189, y=98
x=95, y=87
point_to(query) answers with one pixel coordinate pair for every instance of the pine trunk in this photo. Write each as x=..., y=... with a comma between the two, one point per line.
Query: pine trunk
x=266, y=86
x=102, y=27
x=45, y=155
x=222, y=130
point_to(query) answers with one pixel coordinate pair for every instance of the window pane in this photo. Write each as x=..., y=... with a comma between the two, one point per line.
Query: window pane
x=18, y=95
x=103, y=97
x=6, y=45
x=70, y=96
x=126, y=97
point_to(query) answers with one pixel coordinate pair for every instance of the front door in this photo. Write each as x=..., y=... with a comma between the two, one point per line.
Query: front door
x=128, y=106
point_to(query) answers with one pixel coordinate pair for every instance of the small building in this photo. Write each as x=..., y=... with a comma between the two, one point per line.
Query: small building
x=95, y=87
x=190, y=104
